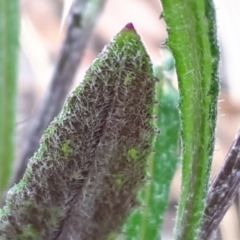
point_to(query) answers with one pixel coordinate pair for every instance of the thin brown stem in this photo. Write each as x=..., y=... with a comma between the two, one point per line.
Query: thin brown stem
x=222, y=191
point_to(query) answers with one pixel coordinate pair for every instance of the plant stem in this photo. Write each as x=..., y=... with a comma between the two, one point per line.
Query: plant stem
x=9, y=28
x=222, y=192
x=192, y=38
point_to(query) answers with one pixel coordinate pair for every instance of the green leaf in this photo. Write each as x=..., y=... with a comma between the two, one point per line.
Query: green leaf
x=83, y=179
x=9, y=21
x=146, y=221
x=192, y=38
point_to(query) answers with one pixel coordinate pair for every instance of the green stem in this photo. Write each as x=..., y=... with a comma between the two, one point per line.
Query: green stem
x=9, y=21
x=193, y=42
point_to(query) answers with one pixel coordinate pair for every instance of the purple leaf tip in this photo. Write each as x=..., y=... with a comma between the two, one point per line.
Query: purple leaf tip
x=130, y=26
